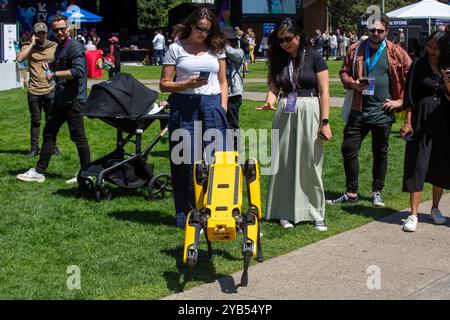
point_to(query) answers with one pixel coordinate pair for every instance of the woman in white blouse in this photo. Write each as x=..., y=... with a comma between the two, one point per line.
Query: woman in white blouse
x=194, y=71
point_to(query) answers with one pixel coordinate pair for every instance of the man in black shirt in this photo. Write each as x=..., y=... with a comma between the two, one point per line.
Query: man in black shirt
x=70, y=95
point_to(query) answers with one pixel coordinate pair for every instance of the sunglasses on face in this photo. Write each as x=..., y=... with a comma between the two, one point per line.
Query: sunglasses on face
x=379, y=31
x=40, y=33
x=285, y=39
x=57, y=30
x=201, y=29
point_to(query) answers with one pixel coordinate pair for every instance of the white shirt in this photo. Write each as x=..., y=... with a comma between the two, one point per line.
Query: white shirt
x=188, y=65
x=158, y=42
x=333, y=41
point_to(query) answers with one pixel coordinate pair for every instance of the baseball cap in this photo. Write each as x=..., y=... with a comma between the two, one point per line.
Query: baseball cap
x=400, y=29
x=229, y=33
x=40, y=27
x=113, y=39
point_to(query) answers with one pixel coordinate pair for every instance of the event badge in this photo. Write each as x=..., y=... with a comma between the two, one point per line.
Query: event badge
x=291, y=102
x=370, y=91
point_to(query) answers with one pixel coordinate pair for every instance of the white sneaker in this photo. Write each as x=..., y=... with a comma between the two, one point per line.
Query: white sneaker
x=437, y=216
x=286, y=224
x=72, y=181
x=31, y=175
x=320, y=226
x=410, y=224
x=377, y=201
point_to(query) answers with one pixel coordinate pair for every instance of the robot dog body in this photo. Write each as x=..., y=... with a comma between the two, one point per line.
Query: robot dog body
x=219, y=197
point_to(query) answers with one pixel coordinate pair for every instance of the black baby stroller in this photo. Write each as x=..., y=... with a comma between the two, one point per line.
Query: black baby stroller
x=128, y=105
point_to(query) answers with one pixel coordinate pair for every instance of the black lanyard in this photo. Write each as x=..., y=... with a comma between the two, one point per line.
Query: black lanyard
x=58, y=59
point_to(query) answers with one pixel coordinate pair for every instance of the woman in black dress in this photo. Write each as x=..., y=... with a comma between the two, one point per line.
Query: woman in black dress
x=427, y=127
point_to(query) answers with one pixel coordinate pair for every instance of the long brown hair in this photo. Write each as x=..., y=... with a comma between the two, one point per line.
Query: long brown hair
x=215, y=39
x=278, y=58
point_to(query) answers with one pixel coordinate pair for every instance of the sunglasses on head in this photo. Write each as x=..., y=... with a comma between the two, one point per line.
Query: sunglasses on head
x=380, y=31
x=285, y=39
x=201, y=29
x=57, y=30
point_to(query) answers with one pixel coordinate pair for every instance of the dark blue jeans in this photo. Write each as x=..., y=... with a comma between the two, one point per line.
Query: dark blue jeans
x=159, y=56
x=190, y=117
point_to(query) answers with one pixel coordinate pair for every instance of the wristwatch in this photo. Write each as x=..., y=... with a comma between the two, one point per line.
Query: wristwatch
x=325, y=121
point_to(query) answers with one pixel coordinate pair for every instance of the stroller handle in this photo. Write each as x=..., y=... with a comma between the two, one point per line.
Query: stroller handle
x=158, y=116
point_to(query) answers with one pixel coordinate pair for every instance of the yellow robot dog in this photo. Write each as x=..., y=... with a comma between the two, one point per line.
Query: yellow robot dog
x=218, y=197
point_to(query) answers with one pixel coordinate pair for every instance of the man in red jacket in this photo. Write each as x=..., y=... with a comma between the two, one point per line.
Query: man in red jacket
x=378, y=84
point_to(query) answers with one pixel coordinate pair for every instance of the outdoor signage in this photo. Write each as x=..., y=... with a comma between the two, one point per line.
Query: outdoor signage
x=268, y=27
x=8, y=36
x=28, y=12
x=3, y=5
x=392, y=23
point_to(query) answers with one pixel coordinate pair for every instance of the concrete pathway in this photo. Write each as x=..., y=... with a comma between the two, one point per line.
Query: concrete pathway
x=375, y=261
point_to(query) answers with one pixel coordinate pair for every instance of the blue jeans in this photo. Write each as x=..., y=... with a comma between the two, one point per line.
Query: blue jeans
x=185, y=111
x=333, y=52
x=159, y=56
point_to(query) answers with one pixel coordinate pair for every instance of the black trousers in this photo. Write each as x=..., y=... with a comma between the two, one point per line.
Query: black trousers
x=234, y=103
x=58, y=116
x=354, y=133
x=37, y=103
x=113, y=71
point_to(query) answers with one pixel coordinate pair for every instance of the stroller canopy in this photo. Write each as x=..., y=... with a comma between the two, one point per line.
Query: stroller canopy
x=121, y=97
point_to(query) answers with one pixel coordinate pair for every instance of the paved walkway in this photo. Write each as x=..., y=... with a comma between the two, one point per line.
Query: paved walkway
x=411, y=266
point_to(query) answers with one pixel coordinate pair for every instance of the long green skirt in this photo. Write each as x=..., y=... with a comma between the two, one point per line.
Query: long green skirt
x=295, y=188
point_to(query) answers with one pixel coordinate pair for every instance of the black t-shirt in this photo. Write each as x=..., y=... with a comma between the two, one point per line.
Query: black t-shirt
x=307, y=79
x=318, y=42
x=244, y=44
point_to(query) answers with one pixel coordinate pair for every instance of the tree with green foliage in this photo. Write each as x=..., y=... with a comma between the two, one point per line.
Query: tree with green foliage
x=154, y=13
x=344, y=13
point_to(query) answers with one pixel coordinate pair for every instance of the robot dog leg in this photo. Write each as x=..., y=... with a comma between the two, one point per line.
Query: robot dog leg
x=218, y=198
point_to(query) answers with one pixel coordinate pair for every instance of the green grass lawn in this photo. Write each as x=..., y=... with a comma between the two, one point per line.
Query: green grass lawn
x=336, y=89
x=129, y=248
x=139, y=72
x=259, y=69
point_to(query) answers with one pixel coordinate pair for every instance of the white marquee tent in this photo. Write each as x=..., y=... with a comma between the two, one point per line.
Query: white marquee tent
x=425, y=9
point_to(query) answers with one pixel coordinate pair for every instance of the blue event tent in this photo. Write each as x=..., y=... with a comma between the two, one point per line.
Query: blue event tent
x=80, y=15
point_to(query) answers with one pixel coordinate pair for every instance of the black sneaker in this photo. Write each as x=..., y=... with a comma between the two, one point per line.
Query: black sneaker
x=33, y=152
x=343, y=199
x=56, y=152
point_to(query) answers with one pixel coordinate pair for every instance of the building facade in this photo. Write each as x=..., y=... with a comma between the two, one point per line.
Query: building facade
x=262, y=15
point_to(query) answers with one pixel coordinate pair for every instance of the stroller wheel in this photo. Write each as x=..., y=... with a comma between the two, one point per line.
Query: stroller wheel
x=85, y=187
x=160, y=186
x=103, y=193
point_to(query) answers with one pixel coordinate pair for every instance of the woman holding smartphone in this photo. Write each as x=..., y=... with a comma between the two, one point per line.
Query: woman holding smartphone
x=427, y=103
x=199, y=96
x=296, y=190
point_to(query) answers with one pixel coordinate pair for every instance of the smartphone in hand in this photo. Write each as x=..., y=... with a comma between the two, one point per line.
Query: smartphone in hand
x=204, y=75
x=408, y=137
x=364, y=81
x=322, y=136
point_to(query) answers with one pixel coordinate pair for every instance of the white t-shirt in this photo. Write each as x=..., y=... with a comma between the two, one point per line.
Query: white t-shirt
x=188, y=65
x=158, y=42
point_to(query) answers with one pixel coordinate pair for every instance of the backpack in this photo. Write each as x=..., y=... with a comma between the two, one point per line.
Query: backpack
x=232, y=68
